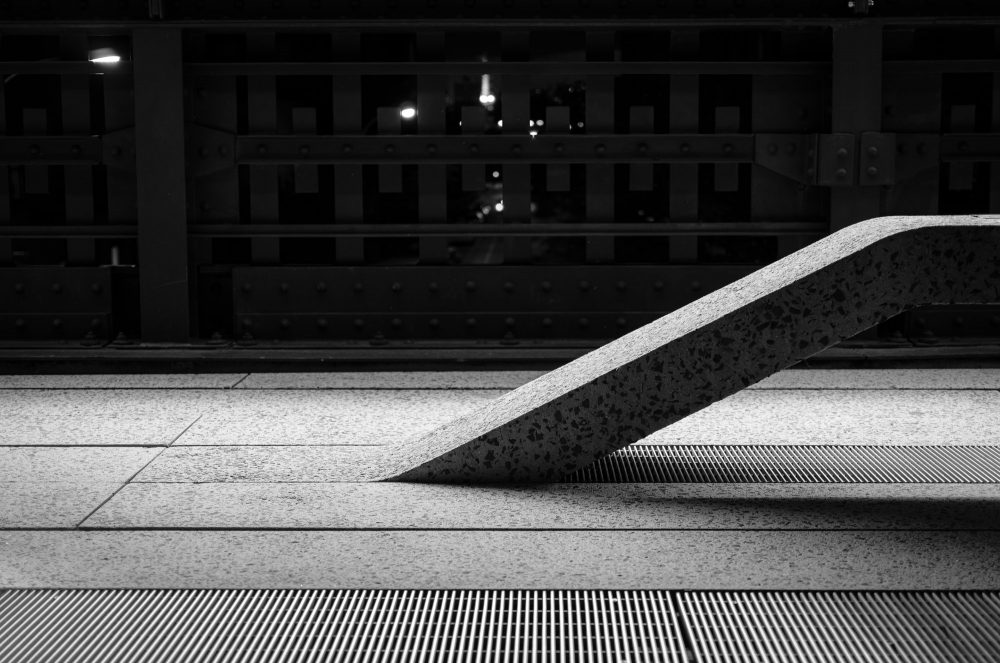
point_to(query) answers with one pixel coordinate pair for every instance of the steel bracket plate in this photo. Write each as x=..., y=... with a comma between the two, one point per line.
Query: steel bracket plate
x=837, y=159
x=209, y=150
x=877, y=159
x=118, y=149
x=790, y=155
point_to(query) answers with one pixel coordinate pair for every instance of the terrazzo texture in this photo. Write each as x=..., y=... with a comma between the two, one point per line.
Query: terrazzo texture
x=502, y=560
x=553, y=507
x=60, y=487
x=391, y=380
x=904, y=418
x=709, y=349
x=335, y=417
x=260, y=464
x=885, y=378
x=93, y=429
x=130, y=381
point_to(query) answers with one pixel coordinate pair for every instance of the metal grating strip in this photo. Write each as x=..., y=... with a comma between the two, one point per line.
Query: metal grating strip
x=648, y=463
x=337, y=625
x=842, y=626
x=458, y=625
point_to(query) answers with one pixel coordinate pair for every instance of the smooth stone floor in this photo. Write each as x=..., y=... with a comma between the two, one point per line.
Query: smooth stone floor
x=825, y=416
x=470, y=559
x=61, y=486
x=551, y=507
x=182, y=481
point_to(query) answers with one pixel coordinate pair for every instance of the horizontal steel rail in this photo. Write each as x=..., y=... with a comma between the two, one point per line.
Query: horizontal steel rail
x=658, y=229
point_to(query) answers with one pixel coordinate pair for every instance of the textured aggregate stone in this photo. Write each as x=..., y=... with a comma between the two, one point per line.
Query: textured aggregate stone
x=709, y=349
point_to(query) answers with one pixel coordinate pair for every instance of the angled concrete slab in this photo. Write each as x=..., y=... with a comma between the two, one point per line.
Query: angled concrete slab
x=710, y=349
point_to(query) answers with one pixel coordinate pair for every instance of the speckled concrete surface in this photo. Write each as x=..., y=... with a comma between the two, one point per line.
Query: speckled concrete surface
x=60, y=487
x=885, y=378
x=51, y=504
x=842, y=417
x=38, y=464
x=330, y=417
x=93, y=429
x=260, y=464
x=135, y=403
x=503, y=560
x=552, y=507
x=392, y=380
x=151, y=381
x=711, y=348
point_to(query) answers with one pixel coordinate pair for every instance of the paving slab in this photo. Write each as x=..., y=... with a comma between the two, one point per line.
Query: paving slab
x=885, y=378
x=70, y=464
x=128, y=381
x=268, y=464
x=880, y=417
x=135, y=403
x=553, y=507
x=391, y=380
x=46, y=504
x=93, y=429
x=816, y=560
x=329, y=417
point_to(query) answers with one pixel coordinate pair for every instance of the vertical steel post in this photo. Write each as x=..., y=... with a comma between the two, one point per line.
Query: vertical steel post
x=857, y=107
x=600, y=114
x=6, y=248
x=684, y=95
x=262, y=118
x=160, y=174
x=348, y=182
x=432, y=187
x=995, y=125
x=79, y=180
x=516, y=106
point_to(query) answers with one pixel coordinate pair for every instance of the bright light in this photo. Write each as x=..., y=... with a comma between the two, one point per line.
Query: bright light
x=487, y=99
x=499, y=206
x=539, y=123
x=500, y=123
x=496, y=174
x=408, y=112
x=104, y=56
x=531, y=123
x=532, y=133
x=579, y=124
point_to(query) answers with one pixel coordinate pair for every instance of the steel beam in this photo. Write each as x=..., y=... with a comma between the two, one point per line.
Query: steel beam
x=162, y=208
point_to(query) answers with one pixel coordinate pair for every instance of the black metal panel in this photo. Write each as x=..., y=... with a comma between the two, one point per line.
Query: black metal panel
x=551, y=142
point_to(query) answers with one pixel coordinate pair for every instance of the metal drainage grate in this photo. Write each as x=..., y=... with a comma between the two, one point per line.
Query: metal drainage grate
x=849, y=626
x=361, y=625
x=647, y=463
x=324, y=625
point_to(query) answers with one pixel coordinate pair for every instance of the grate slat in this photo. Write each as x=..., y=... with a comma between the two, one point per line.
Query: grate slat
x=494, y=625
x=649, y=463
